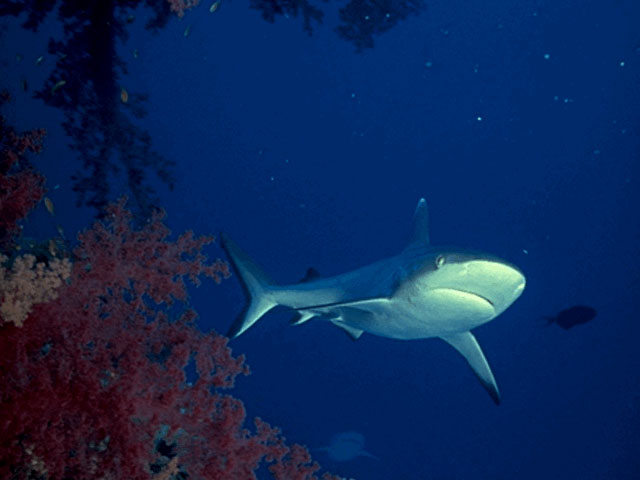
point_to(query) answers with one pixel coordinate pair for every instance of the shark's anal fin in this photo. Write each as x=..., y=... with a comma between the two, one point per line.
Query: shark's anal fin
x=302, y=317
x=468, y=346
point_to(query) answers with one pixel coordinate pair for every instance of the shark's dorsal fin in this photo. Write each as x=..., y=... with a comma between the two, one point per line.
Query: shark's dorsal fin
x=420, y=232
x=311, y=275
x=468, y=346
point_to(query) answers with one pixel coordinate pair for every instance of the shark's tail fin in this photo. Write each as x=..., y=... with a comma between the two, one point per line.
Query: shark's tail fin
x=256, y=283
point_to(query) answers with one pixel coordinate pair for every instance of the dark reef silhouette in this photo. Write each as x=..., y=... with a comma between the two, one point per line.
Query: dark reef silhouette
x=360, y=20
x=102, y=119
x=85, y=85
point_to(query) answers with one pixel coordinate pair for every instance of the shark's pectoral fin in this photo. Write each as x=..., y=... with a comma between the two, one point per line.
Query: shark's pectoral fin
x=364, y=453
x=353, y=332
x=468, y=346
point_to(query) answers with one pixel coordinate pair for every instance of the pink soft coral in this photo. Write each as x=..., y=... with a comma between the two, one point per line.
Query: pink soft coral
x=94, y=384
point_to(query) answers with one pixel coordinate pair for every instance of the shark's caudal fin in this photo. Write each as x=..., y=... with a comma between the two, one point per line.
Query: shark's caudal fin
x=468, y=346
x=256, y=285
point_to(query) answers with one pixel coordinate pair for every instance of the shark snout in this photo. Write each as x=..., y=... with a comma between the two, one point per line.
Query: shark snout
x=497, y=282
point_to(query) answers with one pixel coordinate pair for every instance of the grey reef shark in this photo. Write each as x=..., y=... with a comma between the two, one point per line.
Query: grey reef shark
x=425, y=291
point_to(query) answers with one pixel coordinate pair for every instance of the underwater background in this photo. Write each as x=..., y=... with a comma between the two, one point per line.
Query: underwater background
x=518, y=121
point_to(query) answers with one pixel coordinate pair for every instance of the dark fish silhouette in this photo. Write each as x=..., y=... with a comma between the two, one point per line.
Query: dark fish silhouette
x=573, y=316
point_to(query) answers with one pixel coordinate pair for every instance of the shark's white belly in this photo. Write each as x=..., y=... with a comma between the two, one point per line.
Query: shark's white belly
x=435, y=313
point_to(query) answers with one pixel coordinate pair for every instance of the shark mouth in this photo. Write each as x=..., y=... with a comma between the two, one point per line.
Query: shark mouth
x=479, y=296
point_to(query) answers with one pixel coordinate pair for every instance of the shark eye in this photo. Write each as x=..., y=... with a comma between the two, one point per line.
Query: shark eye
x=440, y=261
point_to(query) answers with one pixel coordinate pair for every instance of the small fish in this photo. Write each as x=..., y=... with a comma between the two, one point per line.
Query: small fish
x=573, y=316
x=214, y=6
x=124, y=95
x=136, y=53
x=53, y=248
x=346, y=446
x=24, y=85
x=39, y=60
x=49, y=204
x=60, y=230
x=59, y=83
x=187, y=31
x=18, y=57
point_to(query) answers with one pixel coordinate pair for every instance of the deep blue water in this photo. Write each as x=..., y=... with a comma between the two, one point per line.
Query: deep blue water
x=518, y=121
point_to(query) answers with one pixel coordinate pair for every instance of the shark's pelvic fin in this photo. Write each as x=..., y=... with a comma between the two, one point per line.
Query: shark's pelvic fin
x=256, y=285
x=468, y=346
x=420, y=223
x=353, y=332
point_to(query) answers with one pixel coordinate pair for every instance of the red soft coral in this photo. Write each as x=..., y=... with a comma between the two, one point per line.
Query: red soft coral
x=94, y=383
x=21, y=187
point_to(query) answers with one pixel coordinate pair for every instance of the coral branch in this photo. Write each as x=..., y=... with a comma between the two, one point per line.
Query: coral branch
x=21, y=187
x=27, y=283
x=180, y=6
